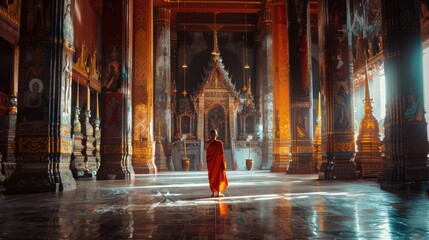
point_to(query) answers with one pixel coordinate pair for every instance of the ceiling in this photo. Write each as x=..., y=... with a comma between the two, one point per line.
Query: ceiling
x=199, y=15
x=231, y=15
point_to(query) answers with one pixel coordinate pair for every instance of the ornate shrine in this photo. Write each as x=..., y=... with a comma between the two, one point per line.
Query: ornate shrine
x=215, y=105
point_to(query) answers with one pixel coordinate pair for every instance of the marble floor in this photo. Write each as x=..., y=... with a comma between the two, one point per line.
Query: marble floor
x=257, y=205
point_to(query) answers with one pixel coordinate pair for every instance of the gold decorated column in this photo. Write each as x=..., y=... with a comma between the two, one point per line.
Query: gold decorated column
x=142, y=90
x=281, y=148
x=44, y=143
x=336, y=75
x=116, y=97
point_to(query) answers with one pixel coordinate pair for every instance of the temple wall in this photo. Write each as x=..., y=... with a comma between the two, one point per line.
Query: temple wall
x=193, y=152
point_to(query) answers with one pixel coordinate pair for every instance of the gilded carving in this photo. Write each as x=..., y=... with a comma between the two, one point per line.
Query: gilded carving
x=304, y=149
x=210, y=104
x=344, y=147
x=140, y=130
x=281, y=78
x=66, y=146
x=33, y=144
x=65, y=132
x=142, y=151
x=143, y=74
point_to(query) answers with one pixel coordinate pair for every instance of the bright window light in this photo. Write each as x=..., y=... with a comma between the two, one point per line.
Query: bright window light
x=382, y=96
x=426, y=84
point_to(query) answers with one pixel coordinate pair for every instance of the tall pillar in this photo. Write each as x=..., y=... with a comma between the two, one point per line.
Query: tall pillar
x=162, y=80
x=116, y=97
x=336, y=76
x=44, y=145
x=259, y=94
x=301, y=88
x=405, y=125
x=143, y=144
x=281, y=93
x=8, y=122
x=267, y=89
x=173, y=91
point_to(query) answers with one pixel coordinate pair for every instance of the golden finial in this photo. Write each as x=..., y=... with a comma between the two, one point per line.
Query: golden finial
x=368, y=100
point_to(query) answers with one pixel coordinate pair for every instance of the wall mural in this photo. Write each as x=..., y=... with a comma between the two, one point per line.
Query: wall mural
x=342, y=96
x=113, y=109
x=36, y=77
x=340, y=69
x=114, y=78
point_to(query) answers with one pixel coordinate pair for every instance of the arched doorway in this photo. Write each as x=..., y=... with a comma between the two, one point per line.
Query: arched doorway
x=217, y=119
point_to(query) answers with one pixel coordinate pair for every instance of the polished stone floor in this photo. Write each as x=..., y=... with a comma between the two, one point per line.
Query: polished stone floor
x=257, y=205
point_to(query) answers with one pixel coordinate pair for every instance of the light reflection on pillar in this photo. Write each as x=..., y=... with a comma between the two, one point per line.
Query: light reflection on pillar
x=356, y=209
x=223, y=208
x=385, y=225
x=223, y=223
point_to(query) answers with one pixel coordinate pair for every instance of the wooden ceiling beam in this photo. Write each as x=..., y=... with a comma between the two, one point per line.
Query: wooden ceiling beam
x=218, y=6
x=208, y=27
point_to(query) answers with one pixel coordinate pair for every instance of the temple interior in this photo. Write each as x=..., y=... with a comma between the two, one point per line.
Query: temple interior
x=106, y=106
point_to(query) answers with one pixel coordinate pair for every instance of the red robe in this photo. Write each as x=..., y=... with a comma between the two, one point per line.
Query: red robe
x=216, y=165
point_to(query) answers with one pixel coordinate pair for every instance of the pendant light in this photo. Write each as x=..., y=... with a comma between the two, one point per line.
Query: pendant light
x=184, y=66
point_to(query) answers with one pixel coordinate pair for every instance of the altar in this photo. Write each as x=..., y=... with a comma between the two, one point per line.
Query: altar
x=216, y=105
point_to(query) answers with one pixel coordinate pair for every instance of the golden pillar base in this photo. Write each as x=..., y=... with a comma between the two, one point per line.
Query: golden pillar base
x=143, y=158
x=114, y=161
x=281, y=156
x=302, y=159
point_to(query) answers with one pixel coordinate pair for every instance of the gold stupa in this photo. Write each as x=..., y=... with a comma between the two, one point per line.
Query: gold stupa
x=368, y=157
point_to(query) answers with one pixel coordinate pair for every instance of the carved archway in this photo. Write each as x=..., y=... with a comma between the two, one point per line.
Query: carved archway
x=217, y=119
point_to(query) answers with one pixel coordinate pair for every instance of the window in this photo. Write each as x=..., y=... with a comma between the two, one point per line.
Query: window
x=426, y=84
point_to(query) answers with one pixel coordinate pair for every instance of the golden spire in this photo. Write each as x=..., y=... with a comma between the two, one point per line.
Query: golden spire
x=249, y=89
x=368, y=158
x=368, y=100
x=244, y=88
x=246, y=65
x=216, y=51
x=184, y=66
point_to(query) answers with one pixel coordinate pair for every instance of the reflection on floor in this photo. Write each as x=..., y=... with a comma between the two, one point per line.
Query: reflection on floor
x=257, y=205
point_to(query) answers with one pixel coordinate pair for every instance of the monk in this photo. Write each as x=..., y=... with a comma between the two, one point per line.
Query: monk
x=216, y=165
